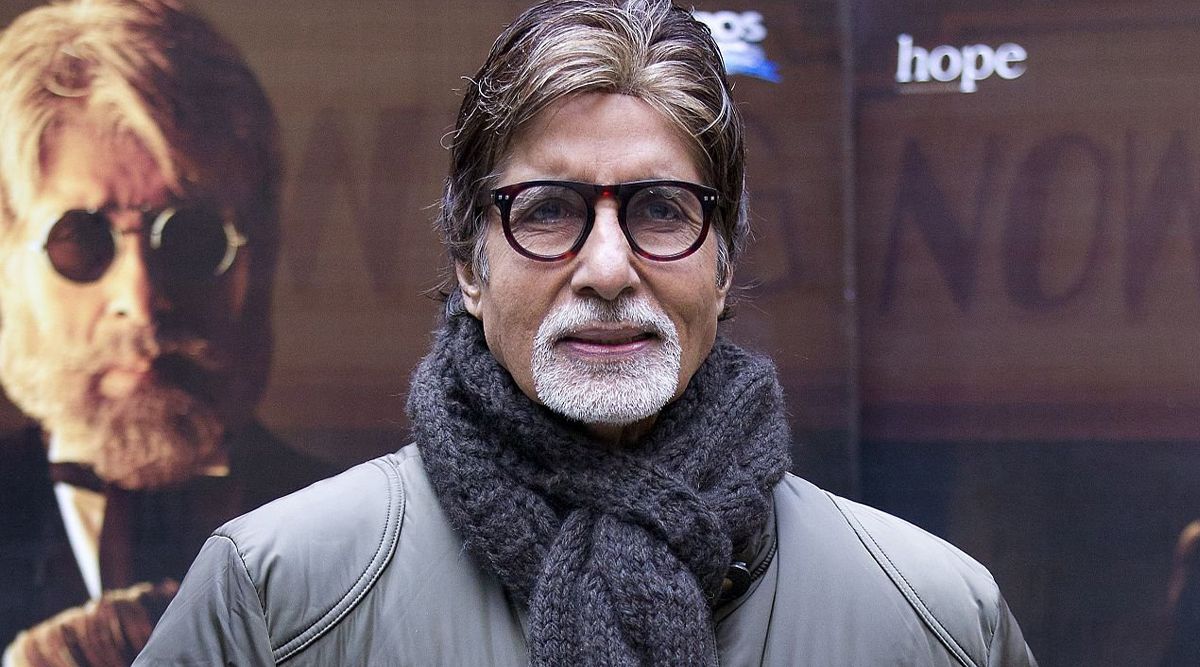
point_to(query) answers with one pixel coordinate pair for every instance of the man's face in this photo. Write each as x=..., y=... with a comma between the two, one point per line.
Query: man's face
x=122, y=371
x=606, y=337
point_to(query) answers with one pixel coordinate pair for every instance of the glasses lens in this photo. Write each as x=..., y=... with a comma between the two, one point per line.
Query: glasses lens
x=190, y=243
x=546, y=220
x=80, y=246
x=664, y=219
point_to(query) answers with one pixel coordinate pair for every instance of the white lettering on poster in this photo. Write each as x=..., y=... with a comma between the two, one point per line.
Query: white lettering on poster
x=729, y=26
x=967, y=64
x=739, y=35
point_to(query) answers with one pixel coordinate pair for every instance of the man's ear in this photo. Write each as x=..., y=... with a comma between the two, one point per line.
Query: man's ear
x=472, y=290
x=723, y=293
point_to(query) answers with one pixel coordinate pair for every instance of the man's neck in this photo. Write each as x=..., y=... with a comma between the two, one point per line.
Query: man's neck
x=620, y=436
x=62, y=450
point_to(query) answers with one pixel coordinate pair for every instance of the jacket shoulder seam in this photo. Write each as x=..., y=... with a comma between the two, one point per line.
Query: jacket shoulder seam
x=995, y=629
x=365, y=581
x=262, y=604
x=905, y=587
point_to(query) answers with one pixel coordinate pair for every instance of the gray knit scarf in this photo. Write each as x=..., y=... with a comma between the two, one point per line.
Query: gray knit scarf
x=619, y=555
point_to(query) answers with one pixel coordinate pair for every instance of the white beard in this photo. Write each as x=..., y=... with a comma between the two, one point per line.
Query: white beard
x=606, y=392
x=154, y=437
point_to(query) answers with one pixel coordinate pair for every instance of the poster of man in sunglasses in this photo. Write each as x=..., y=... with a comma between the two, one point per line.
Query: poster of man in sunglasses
x=139, y=178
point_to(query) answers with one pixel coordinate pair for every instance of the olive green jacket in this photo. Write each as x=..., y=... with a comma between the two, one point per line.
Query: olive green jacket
x=363, y=569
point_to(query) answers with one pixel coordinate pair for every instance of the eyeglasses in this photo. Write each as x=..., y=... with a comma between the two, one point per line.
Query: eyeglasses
x=191, y=243
x=551, y=220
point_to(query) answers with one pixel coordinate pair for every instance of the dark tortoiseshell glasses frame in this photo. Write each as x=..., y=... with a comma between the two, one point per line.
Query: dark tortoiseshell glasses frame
x=589, y=193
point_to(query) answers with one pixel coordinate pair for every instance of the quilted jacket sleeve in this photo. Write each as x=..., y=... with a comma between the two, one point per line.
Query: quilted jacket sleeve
x=216, y=619
x=1008, y=647
x=953, y=594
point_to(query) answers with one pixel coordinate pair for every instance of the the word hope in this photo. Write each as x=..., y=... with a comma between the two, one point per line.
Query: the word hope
x=968, y=64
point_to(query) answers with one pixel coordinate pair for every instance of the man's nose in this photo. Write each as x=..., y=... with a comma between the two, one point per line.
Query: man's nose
x=605, y=265
x=129, y=287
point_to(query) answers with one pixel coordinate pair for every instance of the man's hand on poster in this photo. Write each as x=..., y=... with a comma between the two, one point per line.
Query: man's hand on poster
x=108, y=632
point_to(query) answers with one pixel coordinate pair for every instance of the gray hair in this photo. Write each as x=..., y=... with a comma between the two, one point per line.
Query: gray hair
x=648, y=49
x=151, y=71
x=155, y=73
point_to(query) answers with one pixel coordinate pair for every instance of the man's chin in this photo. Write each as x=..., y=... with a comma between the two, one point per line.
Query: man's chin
x=145, y=456
x=610, y=402
x=158, y=435
x=137, y=472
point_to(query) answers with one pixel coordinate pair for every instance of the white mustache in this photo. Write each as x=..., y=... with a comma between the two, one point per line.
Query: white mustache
x=128, y=346
x=585, y=313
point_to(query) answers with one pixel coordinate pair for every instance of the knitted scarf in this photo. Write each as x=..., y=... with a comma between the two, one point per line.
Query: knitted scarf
x=618, y=554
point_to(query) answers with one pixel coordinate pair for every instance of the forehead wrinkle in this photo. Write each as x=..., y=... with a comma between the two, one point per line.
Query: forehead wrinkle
x=556, y=160
x=116, y=171
x=136, y=182
x=582, y=153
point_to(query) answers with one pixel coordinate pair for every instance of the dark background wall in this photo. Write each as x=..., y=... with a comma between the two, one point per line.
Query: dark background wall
x=982, y=304
x=1029, y=304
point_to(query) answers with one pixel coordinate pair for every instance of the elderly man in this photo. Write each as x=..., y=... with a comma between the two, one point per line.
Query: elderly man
x=139, y=174
x=597, y=477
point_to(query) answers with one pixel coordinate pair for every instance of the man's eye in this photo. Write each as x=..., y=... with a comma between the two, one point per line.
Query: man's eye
x=554, y=209
x=661, y=209
x=545, y=211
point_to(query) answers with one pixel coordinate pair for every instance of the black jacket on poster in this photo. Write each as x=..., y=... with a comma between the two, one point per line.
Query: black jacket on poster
x=38, y=573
